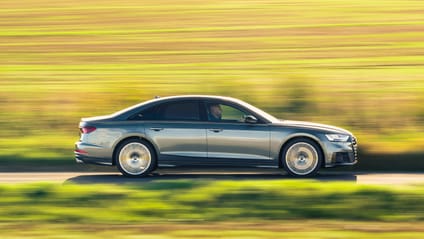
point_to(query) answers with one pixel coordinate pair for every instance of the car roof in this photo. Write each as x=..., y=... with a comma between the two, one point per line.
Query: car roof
x=212, y=97
x=158, y=99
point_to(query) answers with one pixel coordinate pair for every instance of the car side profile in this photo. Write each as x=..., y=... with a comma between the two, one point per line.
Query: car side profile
x=209, y=131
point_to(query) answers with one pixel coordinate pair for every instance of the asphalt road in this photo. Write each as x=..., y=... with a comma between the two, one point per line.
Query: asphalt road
x=116, y=178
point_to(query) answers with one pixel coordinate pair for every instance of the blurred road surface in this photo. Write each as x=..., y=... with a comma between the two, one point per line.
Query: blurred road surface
x=116, y=178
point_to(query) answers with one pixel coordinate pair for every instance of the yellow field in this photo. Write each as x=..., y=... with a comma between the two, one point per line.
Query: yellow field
x=355, y=64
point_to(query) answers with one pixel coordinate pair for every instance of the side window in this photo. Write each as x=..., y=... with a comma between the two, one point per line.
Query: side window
x=146, y=114
x=224, y=113
x=180, y=111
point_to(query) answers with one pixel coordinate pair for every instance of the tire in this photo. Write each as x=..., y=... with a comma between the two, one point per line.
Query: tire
x=135, y=158
x=302, y=157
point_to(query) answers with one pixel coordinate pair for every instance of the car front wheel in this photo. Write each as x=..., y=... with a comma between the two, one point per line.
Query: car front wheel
x=302, y=158
x=135, y=158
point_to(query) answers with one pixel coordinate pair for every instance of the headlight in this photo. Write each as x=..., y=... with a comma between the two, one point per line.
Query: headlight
x=337, y=137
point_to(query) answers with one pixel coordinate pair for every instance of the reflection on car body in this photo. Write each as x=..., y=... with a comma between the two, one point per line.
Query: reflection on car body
x=209, y=131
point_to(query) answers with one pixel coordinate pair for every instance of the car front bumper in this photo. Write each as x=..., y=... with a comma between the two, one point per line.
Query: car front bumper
x=341, y=153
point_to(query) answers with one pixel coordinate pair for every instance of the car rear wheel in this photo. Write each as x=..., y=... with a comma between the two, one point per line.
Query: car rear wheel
x=302, y=158
x=135, y=158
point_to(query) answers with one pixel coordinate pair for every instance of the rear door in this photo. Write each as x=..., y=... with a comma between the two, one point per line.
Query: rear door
x=177, y=130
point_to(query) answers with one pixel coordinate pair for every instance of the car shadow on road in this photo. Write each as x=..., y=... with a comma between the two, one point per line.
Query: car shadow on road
x=119, y=179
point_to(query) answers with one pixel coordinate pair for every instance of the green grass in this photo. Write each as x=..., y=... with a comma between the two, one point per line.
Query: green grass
x=225, y=209
x=194, y=201
x=315, y=229
x=357, y=65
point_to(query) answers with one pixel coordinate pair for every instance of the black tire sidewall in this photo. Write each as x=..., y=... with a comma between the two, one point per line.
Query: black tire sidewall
x=152, y=165
x=303, y=140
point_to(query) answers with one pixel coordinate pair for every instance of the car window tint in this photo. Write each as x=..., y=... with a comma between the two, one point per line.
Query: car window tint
x=227, y=113
x=147, y=114
x=180, y=111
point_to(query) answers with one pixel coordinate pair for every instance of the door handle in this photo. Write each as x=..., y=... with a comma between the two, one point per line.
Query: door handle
x=216, y=130
x=156, y=129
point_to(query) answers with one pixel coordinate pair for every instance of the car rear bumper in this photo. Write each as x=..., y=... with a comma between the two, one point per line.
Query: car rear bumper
x=91, y=160
x=83, y=155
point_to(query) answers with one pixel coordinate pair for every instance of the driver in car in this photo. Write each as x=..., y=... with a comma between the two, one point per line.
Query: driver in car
x=215, y=112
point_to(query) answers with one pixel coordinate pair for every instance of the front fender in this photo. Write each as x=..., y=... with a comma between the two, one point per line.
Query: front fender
x=280, y=139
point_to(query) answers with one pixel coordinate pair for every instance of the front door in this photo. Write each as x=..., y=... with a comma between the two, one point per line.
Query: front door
x=231, y=140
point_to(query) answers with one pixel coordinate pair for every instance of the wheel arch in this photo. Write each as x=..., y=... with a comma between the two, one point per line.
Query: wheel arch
x=138, y=137
x=302, y=136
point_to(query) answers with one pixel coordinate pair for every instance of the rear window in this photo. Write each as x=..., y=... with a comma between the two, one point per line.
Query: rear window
x=180, y=111
x=175, y=111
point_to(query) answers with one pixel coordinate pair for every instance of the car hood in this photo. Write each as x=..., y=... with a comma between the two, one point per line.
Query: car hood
x=310, y=125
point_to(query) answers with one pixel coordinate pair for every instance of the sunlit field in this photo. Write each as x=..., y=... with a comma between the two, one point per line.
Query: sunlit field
x=207, y=200
x=193, y=209
x=354, y=64
x=285, y=229
x=269, y=230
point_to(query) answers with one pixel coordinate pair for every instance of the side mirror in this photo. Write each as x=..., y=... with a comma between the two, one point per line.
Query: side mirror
x=250, y=119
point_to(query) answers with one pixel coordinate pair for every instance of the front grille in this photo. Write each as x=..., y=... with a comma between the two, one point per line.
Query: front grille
x=355, y=147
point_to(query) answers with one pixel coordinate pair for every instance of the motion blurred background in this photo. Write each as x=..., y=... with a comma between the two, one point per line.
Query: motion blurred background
x=354, y=64
x=357, y=64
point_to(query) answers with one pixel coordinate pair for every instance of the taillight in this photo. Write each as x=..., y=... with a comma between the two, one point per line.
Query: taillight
x=80, y=151
x=87, y=129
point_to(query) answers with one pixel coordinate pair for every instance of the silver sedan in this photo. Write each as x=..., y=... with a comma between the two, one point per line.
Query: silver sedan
x=209, y=131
